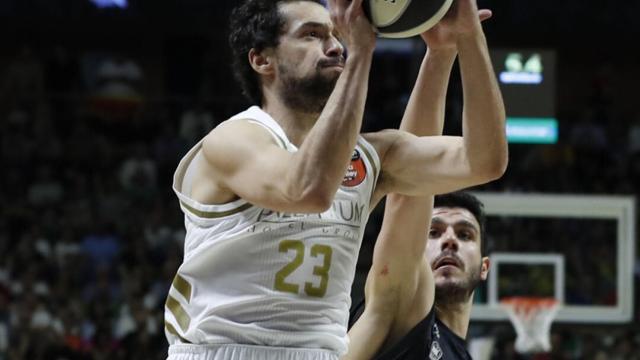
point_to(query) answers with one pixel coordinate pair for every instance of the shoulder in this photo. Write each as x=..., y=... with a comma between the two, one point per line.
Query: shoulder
x=234, y=144
x=383, y=140
x=238, y=130
x=391, y=144
x=235, y=136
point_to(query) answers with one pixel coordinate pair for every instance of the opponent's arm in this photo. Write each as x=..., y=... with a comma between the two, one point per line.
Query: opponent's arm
x=420, y=166
x=249, y=162
x=393, y=279
x=402, y=240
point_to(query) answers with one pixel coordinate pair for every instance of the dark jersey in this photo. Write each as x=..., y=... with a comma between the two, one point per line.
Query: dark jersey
x=430, y=339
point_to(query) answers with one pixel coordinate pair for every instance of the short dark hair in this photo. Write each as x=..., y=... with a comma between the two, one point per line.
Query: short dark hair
x=254, y=24
x=465, y=200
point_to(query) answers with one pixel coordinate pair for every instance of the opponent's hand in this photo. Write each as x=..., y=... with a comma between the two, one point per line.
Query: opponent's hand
x=463, y=18
x=352, y=24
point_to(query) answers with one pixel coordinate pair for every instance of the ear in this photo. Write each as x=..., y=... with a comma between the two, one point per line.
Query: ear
x=262, y=61
x=484, y=270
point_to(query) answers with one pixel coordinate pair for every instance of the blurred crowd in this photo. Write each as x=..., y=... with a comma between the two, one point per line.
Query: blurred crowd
x=91, y=233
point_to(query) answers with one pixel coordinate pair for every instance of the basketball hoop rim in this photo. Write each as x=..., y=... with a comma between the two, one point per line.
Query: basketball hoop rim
x=529, y=301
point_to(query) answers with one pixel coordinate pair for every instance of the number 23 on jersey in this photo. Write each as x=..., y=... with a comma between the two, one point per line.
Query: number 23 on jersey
x=316, y=251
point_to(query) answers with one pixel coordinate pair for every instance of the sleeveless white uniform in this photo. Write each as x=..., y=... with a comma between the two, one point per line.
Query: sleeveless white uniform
x=267, y=280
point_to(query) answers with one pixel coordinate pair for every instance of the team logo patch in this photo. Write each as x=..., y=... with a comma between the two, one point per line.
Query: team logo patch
x=436, y=351
x=356, y=172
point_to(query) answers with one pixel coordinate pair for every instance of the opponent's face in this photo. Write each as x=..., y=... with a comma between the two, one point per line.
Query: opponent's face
x=454, y=253
x=309, y=57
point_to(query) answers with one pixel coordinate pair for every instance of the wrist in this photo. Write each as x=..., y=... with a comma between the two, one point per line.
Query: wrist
x=442, y=52
x=359, y=55
x=472, y=37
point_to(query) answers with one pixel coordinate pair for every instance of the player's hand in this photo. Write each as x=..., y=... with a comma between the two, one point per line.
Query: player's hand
x=463, y=18
x=353, y=26
x=443, y=35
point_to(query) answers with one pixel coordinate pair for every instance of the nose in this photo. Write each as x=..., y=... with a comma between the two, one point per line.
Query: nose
x=334, y=47
x=449, y=240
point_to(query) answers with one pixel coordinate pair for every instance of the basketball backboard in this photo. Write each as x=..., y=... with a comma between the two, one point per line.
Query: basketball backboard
x=578, y=249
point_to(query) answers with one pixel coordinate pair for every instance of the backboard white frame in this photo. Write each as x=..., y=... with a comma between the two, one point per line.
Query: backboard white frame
x=619, y=208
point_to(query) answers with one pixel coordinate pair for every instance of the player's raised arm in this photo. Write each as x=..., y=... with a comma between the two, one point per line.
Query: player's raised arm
x=246, y=161
x=418, y=166
x=394, y=280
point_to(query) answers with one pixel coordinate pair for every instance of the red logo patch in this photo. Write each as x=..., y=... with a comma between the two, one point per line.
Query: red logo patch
x=356, y=172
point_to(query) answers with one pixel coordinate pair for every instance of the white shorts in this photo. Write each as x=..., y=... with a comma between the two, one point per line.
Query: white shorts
x=246, y=352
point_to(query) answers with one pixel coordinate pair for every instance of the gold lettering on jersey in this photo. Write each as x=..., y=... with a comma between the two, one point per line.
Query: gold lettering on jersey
x=354, y=211
x=267, y=214
x=296, y=226
x=264, y=228
x=341, y=210
x=347, y=234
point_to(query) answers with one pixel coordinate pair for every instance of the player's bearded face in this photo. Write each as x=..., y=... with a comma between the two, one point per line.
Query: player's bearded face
x=454, y=253
x=307, y=93
x=459, y=289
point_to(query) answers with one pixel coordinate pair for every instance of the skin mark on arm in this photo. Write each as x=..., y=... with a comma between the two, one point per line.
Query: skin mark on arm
x=385, y=270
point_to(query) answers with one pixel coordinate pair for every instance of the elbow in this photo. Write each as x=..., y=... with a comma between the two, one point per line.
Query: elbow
x=490, y=166
x=497, y=167
x=309, y=196
x=311, y=200
x=317, y=200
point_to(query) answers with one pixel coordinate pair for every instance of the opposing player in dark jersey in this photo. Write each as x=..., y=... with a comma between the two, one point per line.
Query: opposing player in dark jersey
x=420, y=287
x=401, y=307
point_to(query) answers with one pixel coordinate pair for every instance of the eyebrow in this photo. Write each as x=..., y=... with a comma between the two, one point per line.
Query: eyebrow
x=464, y=223
x=313, y=24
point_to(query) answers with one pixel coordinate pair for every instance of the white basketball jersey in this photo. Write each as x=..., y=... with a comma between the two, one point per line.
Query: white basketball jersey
x=254, y=276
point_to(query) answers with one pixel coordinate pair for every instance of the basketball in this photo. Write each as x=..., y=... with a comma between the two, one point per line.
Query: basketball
x=404, y=18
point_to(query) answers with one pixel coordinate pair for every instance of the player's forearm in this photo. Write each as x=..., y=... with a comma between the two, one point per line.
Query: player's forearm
x=483, y=113
x=322, y=159
x=373, y=325
x=424, y=115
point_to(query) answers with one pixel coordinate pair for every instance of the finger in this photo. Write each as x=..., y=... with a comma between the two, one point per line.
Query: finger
x=356, y=6
x=336, y=9
x=337, y=4
x=485, y=14
x=343, y=3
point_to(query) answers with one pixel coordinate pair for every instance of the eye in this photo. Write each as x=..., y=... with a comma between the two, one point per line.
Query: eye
x=313, y=34
x=434, y=233
x=465, y=235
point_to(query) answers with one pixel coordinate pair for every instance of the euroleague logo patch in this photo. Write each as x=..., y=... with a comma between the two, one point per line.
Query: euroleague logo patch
x=356, y=172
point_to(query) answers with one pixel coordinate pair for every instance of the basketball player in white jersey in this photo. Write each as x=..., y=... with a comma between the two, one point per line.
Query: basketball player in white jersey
x=277, y=197
x=419, y=290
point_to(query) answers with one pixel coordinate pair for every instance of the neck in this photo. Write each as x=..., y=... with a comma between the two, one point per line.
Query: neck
x=456, y=315
x=295, y=123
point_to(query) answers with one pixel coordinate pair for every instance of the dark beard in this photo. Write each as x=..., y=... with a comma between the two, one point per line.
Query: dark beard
x=307, y=95
x=452, y=293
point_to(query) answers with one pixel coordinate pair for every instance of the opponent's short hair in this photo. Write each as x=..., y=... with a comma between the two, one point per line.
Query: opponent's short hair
x=254, y=24
x=465, y=200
